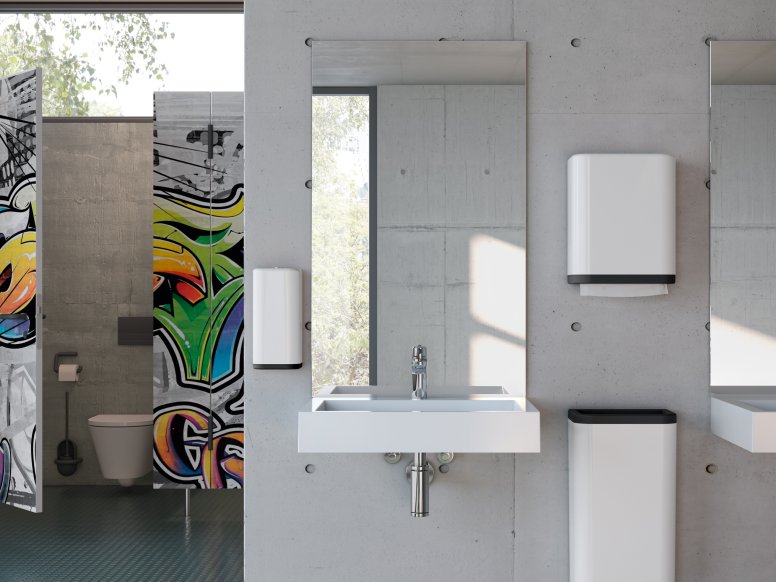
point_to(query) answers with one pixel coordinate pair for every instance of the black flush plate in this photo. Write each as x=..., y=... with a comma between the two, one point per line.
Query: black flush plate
x=136, y=331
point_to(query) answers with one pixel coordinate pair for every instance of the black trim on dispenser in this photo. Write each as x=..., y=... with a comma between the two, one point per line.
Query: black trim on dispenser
x=622, y=416
x=620, y=279
x=277, y=366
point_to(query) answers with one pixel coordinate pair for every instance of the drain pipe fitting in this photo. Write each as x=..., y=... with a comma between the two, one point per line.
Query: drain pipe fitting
x=420, y=472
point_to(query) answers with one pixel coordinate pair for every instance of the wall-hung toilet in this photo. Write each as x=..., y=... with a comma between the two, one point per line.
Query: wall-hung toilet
x=123, y=443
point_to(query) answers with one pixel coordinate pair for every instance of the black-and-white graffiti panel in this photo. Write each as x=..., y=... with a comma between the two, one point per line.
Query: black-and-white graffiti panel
x=20, y=407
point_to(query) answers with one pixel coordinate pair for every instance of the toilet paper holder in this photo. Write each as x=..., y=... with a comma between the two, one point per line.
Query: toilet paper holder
x=59, y=355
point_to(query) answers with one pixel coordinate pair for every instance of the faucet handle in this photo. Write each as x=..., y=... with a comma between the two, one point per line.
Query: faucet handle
x=419, y=353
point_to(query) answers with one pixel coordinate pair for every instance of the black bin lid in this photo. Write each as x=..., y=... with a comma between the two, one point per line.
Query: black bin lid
x=622, y=416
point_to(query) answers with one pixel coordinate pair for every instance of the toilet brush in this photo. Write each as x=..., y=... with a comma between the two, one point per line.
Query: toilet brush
x=67, y=454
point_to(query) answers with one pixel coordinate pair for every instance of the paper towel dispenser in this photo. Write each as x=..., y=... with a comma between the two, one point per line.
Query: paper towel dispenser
x=277, y=319
x=621, y=219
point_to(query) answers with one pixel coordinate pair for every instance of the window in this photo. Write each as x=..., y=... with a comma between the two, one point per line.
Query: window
x=110, y=63
x=341, y=223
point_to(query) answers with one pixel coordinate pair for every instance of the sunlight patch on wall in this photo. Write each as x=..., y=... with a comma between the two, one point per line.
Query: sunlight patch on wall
x=495, y=361
x=497, y=276
x=741, y=356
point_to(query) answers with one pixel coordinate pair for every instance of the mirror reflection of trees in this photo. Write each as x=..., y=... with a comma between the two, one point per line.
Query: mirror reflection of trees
x=340, y=240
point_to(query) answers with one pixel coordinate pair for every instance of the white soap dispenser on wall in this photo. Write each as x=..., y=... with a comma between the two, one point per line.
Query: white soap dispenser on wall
x=622, y=223
x=277, y=318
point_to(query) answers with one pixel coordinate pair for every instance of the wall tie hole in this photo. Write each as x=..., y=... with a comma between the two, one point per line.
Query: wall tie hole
x=576, y=43
x=309, y=469
x=576, y=326
x=711, y=468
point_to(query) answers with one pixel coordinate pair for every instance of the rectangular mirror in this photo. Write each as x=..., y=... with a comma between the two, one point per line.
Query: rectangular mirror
x=743, y=213
x=418, y=225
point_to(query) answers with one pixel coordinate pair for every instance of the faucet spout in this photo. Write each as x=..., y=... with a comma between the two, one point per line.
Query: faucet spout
x=419, y=381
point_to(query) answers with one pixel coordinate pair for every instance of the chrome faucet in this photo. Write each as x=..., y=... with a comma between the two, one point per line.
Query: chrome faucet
x=420, y=469
x=419, y=382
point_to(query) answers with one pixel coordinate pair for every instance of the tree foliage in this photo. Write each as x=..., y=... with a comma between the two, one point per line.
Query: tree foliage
x=55, y=42
x=340, y=241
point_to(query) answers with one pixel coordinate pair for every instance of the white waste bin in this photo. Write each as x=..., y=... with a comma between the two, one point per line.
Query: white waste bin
x=622, y=495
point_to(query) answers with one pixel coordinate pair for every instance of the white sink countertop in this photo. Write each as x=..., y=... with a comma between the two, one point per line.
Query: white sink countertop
x=745, y=417
x=376, y=419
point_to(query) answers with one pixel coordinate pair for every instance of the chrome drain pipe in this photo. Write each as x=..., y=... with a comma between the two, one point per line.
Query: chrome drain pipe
x=420, y=473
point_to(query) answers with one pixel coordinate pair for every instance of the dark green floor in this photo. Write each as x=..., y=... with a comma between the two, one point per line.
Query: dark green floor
x=112, y=534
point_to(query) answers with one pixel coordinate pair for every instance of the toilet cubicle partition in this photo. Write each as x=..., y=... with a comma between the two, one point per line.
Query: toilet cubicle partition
x=198, y=290
x=20, y=282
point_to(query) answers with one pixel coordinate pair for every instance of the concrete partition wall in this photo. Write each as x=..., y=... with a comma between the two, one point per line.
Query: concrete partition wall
x=638, y=82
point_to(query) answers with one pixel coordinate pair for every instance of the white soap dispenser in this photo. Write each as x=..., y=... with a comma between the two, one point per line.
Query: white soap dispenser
x=277, y=318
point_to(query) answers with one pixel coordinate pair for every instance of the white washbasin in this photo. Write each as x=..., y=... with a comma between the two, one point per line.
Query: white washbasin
x=370, y=422
x=372, y=404
x=402, y=391
x=746, y=419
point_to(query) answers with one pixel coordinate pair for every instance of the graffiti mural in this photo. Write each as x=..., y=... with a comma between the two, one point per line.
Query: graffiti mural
x=19, y=345
x=182, y=453
x=198, y=290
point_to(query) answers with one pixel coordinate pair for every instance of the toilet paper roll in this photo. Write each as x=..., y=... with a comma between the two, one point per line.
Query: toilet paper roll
x=612, y=290
x=68, y=373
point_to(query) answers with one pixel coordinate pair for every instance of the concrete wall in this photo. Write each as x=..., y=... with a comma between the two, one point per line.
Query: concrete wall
x=637, y=83
x=97, y=224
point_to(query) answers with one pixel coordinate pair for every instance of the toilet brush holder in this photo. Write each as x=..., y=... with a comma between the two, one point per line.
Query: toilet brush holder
x=67, y=453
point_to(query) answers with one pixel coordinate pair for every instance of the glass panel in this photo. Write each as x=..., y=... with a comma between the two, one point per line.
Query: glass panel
x=109, y=64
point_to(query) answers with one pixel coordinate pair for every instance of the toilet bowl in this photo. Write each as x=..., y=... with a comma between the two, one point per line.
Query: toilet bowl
x=123, y=443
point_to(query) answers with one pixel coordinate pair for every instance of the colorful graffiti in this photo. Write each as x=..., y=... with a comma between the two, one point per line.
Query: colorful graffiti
x=188, y=237
x=19, y=117
x=181, y=449
x=5, y=469
x=198, y=290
